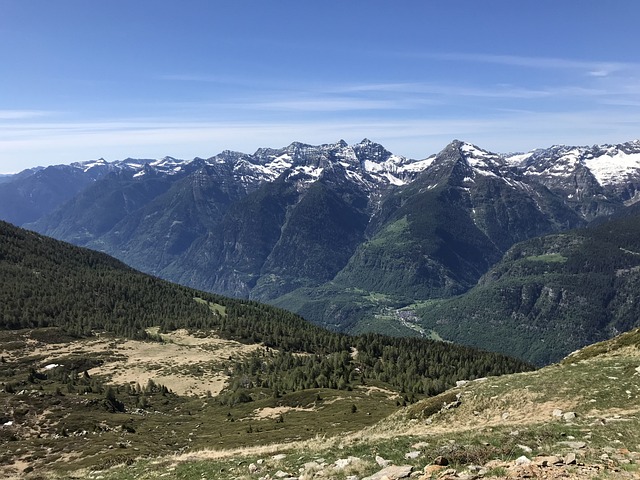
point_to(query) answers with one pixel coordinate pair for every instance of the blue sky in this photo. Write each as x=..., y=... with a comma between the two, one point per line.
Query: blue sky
x=84, y=79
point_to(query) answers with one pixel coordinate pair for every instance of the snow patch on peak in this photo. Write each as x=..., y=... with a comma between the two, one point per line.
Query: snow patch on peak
x=394, y=180
x=370, y=166
x=86, y=166
x=418, y=165
x=305, y=174
x=169, y=165
x=517, y=159
x=481, y=161
x=613, y=166
x=279, y=164
x=473, y=152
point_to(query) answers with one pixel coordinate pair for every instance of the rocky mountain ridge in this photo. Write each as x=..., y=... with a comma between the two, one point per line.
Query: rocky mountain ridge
x=609, y=170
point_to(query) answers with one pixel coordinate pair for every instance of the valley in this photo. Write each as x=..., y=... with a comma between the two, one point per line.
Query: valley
x=90, y=380
x=346, y=235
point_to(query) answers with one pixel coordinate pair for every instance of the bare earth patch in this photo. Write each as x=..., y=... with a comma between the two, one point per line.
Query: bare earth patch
x=274, y=412
x=370, y=389
x=184, y=363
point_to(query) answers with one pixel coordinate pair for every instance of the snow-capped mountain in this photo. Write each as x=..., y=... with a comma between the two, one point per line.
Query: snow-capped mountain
x=596, y=179
x=268, y=225
x=367, y=162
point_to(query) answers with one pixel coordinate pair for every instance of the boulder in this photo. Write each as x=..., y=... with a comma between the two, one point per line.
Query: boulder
x=548, y=461
x=342, y=463
x=392, y=472
x=574, y=445
x=429, y=470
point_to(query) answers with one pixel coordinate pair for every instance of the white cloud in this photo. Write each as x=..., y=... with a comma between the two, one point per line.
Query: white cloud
x=23, y=114
x=508, y=131
x=536, y=62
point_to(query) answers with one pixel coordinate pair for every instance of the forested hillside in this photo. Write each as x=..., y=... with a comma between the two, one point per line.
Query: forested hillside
x=44, y=282
x=551, y=295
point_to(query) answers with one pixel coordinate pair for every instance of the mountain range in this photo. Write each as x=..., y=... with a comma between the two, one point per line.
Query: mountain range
x=352, y=237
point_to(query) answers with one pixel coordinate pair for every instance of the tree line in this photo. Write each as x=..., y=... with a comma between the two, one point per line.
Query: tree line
x=45, y=283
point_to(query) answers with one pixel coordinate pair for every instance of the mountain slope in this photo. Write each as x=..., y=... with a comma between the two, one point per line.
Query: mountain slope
x=330, y=230
x=72, y=319
x=456, y=220
x=25, y=198
x=551, y=295
x=574, y=420
x=437, y=236
x=596, y=180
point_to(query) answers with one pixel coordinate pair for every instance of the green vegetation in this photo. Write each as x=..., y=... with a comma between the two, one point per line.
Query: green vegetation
x=495, y=422
x=48, y=283
x=550, y=295
x=549, y=258
x=54, y=292
x=102, y=424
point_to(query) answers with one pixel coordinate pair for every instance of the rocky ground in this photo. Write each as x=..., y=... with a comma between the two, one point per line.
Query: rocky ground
x=549, y=467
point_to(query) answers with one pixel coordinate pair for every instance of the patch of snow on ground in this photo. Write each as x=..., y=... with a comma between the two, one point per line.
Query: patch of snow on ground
x=518, y=159
x=609, y=169
x=486, y=173
x=417, y=166
x=370, y=166
x=472, y=150
x=393, y=180
x=90, y=164
x=313, y=172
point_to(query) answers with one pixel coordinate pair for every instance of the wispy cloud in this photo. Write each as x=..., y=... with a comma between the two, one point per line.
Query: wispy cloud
x=23, y=114
x=595, y=68
x=506, y=91
x=336, y=104
x=146, y=138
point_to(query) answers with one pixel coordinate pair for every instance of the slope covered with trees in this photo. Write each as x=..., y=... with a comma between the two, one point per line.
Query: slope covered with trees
x=551, y=295
x=45, y=282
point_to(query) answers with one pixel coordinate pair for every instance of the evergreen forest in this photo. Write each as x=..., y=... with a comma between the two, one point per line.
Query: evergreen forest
x=48, y=283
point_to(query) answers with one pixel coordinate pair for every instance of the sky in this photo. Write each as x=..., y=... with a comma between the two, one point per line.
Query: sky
x=82, y=80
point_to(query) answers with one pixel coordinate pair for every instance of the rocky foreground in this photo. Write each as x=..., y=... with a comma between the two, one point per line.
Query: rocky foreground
x=565, y=466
